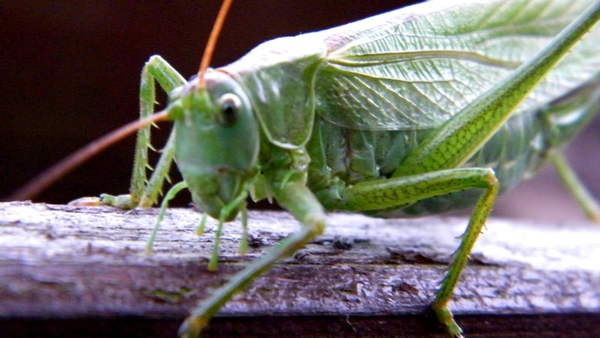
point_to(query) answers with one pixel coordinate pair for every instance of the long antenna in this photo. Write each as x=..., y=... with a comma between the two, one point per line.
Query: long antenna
x=212, y=41
x=60, y=169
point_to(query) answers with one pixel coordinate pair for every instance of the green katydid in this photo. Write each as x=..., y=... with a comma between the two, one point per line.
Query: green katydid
x=415, y=111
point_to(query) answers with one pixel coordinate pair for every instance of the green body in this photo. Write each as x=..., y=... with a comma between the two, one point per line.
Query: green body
x=365, y=112
x=426, y=109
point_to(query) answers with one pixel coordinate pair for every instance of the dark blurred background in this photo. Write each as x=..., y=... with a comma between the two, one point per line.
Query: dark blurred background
x=69, y=73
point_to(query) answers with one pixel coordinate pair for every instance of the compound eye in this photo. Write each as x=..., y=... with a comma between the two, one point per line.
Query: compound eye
x=230, y=106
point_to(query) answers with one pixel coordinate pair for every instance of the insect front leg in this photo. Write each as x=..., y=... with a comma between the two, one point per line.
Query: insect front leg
x=144, y=192
x=401, y=191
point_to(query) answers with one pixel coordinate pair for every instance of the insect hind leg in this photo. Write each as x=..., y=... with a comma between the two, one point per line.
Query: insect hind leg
x=580, y=193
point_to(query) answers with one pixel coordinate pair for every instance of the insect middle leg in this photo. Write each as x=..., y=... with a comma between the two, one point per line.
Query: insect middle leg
x=400, y=191
x=300, y=202
x=144, y=192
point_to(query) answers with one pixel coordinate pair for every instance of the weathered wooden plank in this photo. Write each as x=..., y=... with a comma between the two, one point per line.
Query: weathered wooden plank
x=66, y=268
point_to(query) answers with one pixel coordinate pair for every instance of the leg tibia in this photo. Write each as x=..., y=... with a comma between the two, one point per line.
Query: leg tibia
x=298, y=199
x=143, y=192
x=476, y=223
x=582, y=196
x=400, y=191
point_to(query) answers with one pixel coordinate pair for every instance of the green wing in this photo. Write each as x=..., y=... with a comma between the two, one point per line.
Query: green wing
x=416, y=67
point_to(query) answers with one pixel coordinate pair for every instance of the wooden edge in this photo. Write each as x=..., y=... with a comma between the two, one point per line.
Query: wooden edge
x=68, y=269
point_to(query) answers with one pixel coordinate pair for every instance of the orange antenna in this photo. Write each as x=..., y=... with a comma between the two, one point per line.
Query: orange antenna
x=60, y=169
x=212, y=40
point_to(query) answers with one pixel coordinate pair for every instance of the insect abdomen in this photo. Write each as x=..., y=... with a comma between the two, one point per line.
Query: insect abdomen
x=516, y=152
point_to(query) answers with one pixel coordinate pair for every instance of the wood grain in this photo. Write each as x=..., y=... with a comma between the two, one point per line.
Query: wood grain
x=73, y=271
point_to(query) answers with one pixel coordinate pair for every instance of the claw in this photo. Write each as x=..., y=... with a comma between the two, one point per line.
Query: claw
x=86, y=202
x=120, y=201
